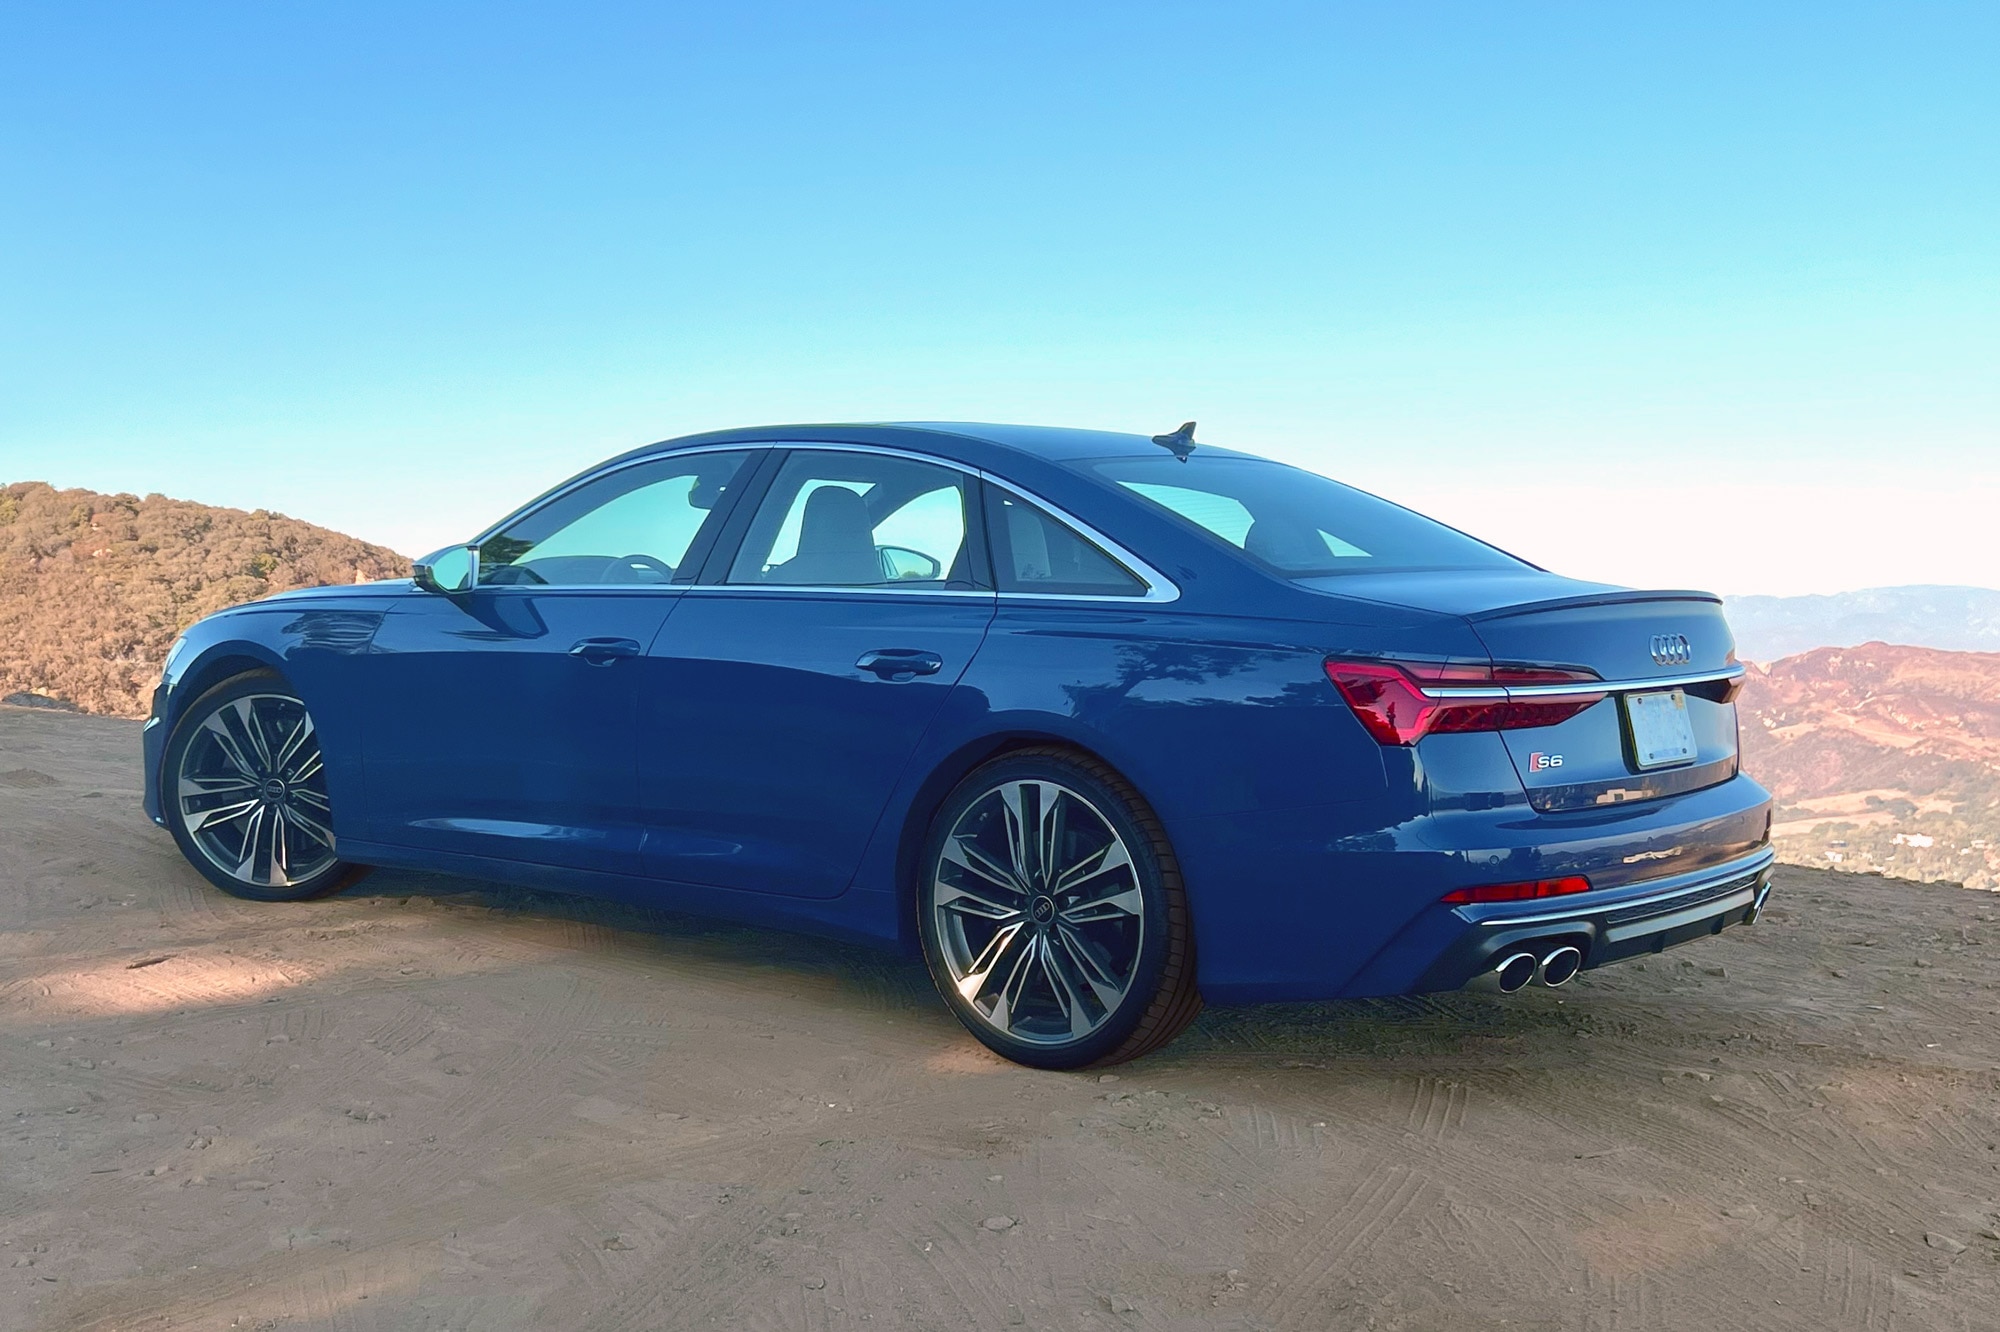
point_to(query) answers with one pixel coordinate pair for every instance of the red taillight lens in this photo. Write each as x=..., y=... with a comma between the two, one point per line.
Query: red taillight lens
x=1518, y=892
x=1385, y=700
x=1400, y=702
x=1521, y=716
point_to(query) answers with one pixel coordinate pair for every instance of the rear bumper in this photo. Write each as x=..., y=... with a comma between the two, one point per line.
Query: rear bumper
x=1608, y=926
x=1345, y=902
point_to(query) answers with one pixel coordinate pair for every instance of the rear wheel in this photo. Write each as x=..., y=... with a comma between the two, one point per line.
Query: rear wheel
x=243, y=786
x=1052, y=914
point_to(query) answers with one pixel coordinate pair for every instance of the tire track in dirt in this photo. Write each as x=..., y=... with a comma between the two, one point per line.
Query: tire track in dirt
x=501, y=1109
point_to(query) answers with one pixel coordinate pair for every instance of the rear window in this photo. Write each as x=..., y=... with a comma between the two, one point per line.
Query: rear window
x=1296, y=522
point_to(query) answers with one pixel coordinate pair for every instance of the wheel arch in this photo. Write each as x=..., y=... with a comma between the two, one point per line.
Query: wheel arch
x=223, y=662
x=225, y=675
x=943, y=778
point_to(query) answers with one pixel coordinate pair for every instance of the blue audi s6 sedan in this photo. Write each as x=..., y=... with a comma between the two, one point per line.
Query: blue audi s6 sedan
x=1100, y=723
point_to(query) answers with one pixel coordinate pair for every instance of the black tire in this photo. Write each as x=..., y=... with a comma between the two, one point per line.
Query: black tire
x=241, y=785
x=1041, y=997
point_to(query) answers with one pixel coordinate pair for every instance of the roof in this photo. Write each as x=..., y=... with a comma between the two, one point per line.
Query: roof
x=1051, y=444
x=1056, y=443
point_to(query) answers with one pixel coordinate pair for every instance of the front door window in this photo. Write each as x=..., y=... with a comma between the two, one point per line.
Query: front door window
x=647, y=523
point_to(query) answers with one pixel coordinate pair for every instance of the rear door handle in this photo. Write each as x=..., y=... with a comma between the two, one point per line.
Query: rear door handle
x=900, y=663
x=604, y=651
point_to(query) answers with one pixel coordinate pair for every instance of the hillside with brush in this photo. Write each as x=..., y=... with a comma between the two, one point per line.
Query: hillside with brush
x=1882, y=758
x=94, y=587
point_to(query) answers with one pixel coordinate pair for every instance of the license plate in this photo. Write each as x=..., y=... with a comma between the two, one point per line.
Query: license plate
x=1662, y=734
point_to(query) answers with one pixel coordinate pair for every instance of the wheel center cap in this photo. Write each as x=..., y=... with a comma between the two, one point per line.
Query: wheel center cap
x=1043, y=909
x=274, y=790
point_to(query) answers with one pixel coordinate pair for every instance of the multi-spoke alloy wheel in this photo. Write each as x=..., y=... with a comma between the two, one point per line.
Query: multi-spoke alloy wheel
x=1052, y=914
x=245, y=792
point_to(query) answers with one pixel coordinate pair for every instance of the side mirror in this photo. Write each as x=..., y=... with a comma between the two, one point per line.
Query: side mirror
x=900, y=564
x=449, y=571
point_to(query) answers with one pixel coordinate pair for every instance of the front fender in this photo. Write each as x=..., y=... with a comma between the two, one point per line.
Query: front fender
x=310, y=645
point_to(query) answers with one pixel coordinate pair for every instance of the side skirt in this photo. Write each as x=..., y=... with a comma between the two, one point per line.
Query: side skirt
x=856, y=916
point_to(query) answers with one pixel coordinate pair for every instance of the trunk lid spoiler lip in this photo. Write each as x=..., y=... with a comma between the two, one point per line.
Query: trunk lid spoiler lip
x=1365, y=589
x=1617, y=597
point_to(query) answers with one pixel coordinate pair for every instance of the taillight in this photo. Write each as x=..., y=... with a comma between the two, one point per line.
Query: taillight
x=1730, y=687
x=1401, y=702
x=1524, y=891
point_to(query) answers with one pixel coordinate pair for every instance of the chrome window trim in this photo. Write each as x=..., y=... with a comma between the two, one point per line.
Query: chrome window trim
x=1159, y=588
x=869, y=590
x=543, y=501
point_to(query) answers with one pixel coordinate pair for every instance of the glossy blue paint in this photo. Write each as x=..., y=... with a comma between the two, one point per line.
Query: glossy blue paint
x=486, y=733
x=722, y=749
x=767, y=753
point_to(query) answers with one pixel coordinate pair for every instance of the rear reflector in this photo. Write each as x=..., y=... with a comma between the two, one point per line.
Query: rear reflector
x=1518, y=892
x=1401, y=702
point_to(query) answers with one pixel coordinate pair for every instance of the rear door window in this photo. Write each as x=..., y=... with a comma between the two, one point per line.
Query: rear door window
x=1035, y=552
x=851, y=519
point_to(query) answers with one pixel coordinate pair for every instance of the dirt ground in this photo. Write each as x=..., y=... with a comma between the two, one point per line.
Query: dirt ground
x=432, y=1104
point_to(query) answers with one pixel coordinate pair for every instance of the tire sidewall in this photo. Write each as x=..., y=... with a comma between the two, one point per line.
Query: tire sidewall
x=1115, y=806
x=190, y=720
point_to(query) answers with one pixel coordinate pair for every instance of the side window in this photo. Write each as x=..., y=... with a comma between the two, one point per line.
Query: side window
x=836, y=519
x=635, y=525
x=1033, y=552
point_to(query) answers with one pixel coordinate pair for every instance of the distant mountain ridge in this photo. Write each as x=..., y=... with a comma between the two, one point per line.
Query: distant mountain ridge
x=1953, y=619
x=94, y=587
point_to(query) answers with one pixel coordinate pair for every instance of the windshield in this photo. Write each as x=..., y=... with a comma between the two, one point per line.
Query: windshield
x=1296, y=522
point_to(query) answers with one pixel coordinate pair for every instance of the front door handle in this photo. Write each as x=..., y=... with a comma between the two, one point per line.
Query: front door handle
x=604, y=651
x=900, y=663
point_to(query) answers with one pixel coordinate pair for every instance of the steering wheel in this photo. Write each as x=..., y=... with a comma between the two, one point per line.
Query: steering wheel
x=658, y=566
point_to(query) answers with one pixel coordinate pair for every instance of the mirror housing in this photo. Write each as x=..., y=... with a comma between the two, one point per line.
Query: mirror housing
x=901, y=564
x=450, y=571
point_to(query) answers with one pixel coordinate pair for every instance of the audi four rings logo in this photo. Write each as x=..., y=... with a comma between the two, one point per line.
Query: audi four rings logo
x=1672, y=649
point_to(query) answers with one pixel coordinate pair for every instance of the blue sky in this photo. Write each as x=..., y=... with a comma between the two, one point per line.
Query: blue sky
x=1724, y=277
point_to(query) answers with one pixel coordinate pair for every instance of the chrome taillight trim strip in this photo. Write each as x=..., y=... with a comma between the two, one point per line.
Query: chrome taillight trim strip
x=1581, y=689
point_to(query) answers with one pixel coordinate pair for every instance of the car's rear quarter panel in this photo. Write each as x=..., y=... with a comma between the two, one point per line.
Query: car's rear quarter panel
x=1229, y=728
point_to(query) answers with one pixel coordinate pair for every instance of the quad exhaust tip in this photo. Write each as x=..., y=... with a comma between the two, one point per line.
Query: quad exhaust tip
x=1515, y=972
x=1560, y=966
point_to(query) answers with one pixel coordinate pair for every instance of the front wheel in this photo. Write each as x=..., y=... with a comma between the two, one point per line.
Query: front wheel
x=243, y=786
x=1052, y=914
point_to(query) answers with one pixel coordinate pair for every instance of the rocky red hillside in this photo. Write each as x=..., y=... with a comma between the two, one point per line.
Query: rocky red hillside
x=1882, y=757
x=94, y=587
x=1842, y=719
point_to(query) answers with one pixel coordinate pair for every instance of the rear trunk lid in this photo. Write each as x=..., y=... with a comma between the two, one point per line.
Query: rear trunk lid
x=1649, y=737
x=1628, y=747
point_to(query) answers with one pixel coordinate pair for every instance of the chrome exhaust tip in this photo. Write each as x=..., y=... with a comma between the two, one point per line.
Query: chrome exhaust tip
x=1515, y=972
x=1559, y=967
x=1756, y=910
